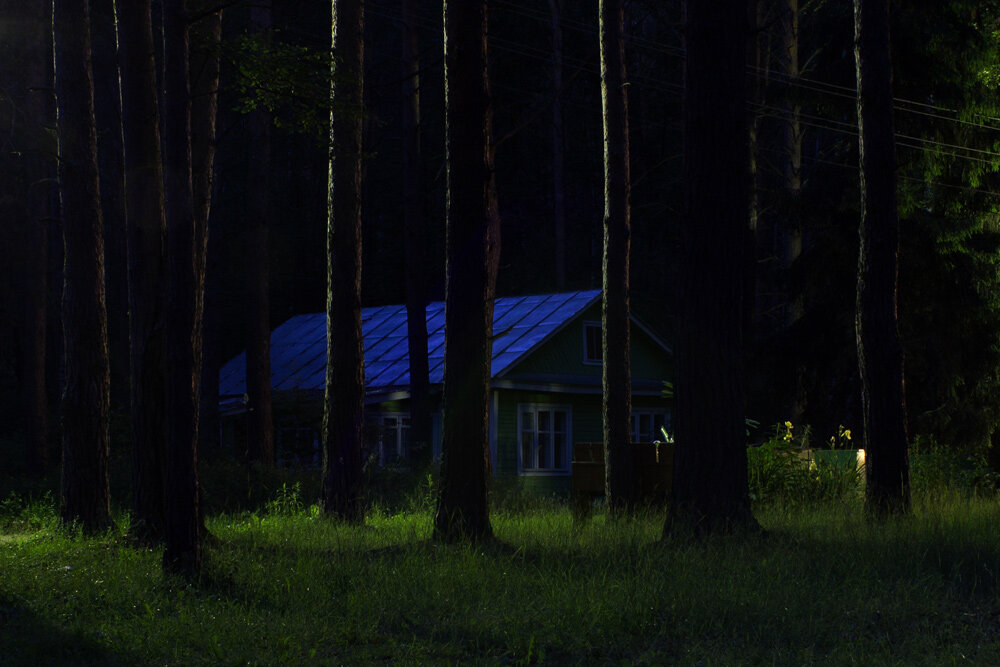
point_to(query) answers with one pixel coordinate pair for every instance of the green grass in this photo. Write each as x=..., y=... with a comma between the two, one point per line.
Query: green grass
x=284, y=586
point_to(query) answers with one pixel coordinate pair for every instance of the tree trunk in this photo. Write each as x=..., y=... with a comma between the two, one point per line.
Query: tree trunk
x=880, y=356
x=204, y=67
x=473, y=253
x=85, y=400
x=108, y=115
x=415, y=225
x=343, y=409
x=260, y=425
x=144, y=219
x=710, y=491
x=42, y=209
x=791, y=220
x=619, y=478
x=558, y=146
x=183, y=521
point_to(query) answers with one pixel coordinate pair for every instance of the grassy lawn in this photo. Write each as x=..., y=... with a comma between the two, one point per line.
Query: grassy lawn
x=283, y=587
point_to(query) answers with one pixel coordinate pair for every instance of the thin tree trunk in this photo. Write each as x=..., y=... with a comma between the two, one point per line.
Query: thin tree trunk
x=710, y=489
x=144, y=219
x=183, y=521
x=204, y=68
x=880, y=355
x=343, y=413
x=85, y=400
x=42, y=209
x=791, y=220
x=415, y=225
x=260, y=425
x=619, y=476
x=473, y=252
x=108, y=114
x=558, y=146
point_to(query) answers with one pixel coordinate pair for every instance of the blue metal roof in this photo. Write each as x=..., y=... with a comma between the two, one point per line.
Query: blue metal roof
x=298, y=347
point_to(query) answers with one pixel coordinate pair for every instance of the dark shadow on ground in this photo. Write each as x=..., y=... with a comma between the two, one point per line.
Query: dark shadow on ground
x=30, y=640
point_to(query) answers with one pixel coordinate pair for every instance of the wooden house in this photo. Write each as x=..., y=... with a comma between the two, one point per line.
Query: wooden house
x=545, y=393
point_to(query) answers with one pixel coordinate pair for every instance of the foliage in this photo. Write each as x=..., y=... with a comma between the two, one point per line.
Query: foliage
x=290, y=81
x=780, y=471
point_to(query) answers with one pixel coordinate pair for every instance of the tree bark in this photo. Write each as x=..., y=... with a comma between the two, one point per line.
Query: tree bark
x=619, y=477
x=145, y=225
x=42, y=208
x=204, y=68
x=108, y=115
x=880, y=356
x=558, y=146
x=260, y=425
x=473, y=252
x=710, y=490
x=85, y=400
x=415, y=225
x=791, y=220
x=183, y=521
x=343, y=413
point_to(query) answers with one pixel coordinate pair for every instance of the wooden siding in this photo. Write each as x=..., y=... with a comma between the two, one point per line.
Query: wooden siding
x=563, y=354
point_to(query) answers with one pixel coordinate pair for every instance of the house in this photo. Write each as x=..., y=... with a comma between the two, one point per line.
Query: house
x=545, y=393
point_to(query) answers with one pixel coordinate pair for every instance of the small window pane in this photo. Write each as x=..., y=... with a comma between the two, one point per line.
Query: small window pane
x=543, y=421
x=527, y=447
x=560, y=421
x=543, y=448
x=592, y=336
x=558, y=450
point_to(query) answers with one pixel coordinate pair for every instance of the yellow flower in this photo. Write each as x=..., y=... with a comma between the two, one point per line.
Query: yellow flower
x=789, y=426
x=847, y=433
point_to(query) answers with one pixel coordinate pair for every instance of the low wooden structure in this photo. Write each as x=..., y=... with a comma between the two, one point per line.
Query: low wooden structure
x=653, y=468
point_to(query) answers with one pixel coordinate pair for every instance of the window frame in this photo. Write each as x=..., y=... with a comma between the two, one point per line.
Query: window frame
x=397, y=429
x=651, y=412
x=587, y=360
x=534, y=409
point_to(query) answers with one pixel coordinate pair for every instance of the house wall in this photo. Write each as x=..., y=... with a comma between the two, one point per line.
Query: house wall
x=563, y=354
x=586, y=426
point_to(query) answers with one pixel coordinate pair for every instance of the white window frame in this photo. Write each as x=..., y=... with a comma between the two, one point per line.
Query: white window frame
x=588, y=361
x=534, y=409
x=651, y=412
x=397, y=431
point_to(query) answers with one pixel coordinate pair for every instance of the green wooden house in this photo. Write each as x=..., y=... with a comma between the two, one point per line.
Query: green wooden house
x=546, y=384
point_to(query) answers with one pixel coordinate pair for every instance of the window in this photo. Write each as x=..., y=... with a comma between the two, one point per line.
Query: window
x=592, y=353
x=392, y=438
x=646, y=425
x=544, y=437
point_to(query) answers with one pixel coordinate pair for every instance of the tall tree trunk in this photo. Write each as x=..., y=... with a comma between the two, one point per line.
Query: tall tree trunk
x=880, y=356
x=619, y=477
x=791, y=220
x=260, y=425
x=85, y=400
x=42, y=209
x=144, y=219
x=558, y=146
x=108, y=115
x=183, y=521
x=710, y=490
x=415, y=225
x=344, y=401
x=473, y=252
x=204, y=67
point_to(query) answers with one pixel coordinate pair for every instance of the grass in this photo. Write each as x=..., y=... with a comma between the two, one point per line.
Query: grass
x=283, y=586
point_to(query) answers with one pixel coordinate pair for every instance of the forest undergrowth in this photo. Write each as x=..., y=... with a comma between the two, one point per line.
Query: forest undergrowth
x=284, y=585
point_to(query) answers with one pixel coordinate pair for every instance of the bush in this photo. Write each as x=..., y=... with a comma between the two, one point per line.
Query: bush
x=778, y=471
